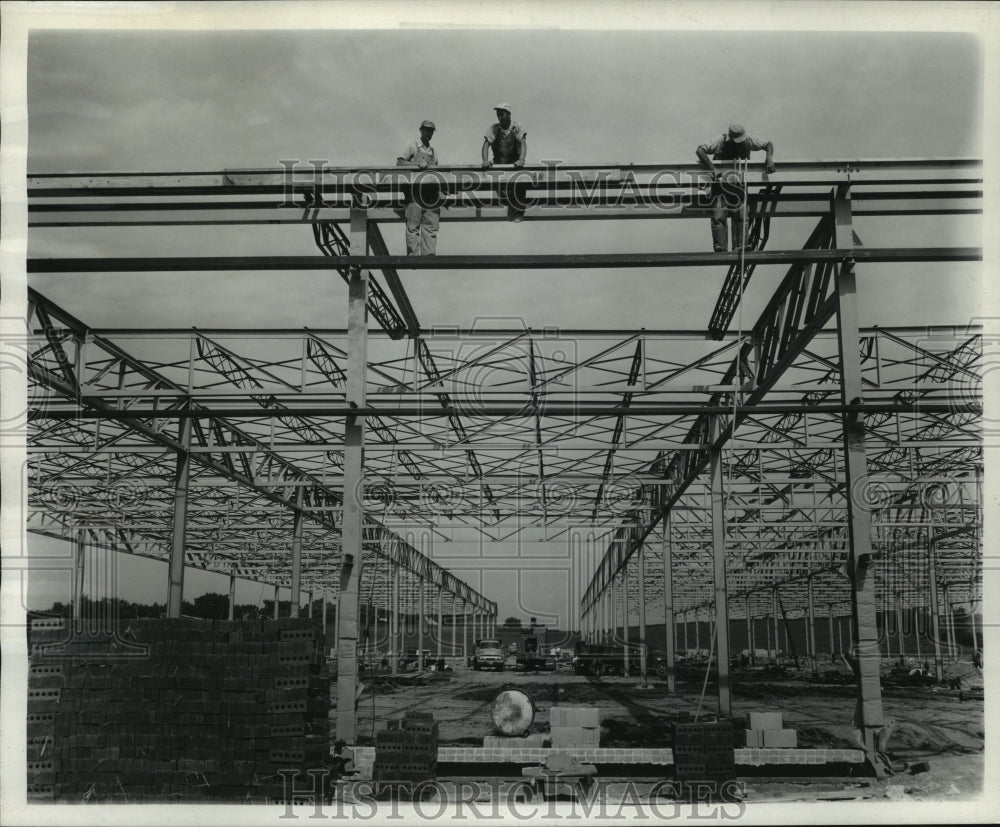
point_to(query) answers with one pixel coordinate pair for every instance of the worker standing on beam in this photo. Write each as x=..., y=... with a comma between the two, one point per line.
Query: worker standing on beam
x=422, y=202
x=509, y=144
x=728, y=193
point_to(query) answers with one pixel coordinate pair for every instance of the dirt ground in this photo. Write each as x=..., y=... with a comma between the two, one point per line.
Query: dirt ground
x=932, y=724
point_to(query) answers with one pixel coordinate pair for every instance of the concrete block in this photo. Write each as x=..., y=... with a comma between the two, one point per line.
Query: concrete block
x=557, y=716
x=585, y=716
x=766, y=720
x=754, y=738
x=575, y=736
x=780, y=738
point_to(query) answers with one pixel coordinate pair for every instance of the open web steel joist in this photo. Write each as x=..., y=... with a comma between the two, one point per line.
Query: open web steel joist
x=796, y=457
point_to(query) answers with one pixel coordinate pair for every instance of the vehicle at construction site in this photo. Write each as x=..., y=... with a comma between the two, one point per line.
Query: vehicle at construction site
x=488, y=655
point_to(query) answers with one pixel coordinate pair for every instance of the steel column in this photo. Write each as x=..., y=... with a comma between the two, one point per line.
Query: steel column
x=352, y=530
x=79, y=574
x=296, y=555
x=323, y=608
x=868, y=712
x=935, y=607
x=613, y=626
x=394, y=643
x=749, y=630
x=175, y=573
x=275, y=601
x=811, y=637
x=669, y=621
x=949, y=624
x=421, y=619
x=829, y=623
x=625, y=620
x=774, y=617
x=917, y=627
x=642, y=612
x=309, y=605
x=465, y=629
x=232, y=594
x=440, y=628
x=719, y=575
x=899, y=629
x=454, y=627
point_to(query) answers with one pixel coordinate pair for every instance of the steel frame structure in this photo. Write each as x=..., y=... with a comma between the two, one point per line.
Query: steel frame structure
x=803, y=453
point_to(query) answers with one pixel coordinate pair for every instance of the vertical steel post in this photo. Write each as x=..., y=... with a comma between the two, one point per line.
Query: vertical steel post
x=454, y=627
x=642, y=612
x=175, y=573
x=440, y=629
x=625, y=621
x=323, y=608
x=774, y=616
x=309, y=605
x=669, y=621
x=614, y=611
x=394, y=645
x=352, y=529
x=421, y=619
x=232, y=593
x=868, y=712
x=949, y=623
x=684, y=629
x=935, y=606
x=749, y=629
x=275, y=601
x=296, y=554
x=719, y=573
x=829, y=631
x=79, y=575
x=917, y=628
x=899, y=629
x=811, y=638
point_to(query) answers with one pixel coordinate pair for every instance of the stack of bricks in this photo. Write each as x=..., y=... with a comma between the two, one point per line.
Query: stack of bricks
x=44, y=692
x=767, y=732
x=574, y=726
x=180, y=709
x=704, y=753
x=407, y=750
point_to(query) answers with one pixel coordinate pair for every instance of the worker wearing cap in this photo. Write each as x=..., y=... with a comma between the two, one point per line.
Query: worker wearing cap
x=422, y=203
x=508, y=142
x=728, y=196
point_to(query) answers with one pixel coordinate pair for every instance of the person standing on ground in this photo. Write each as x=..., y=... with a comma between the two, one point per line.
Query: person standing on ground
x=422, y=202
x=728, y=195
x=508, y=142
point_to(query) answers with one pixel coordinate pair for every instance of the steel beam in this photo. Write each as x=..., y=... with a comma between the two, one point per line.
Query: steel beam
x=232, y=594
x=642, y=614
x=473, y=262
x=625, y=621
x=79, y=577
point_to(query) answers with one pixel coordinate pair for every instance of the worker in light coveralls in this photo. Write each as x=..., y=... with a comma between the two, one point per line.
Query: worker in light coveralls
x=508, y=143
x=422, y=209
x=727, y=192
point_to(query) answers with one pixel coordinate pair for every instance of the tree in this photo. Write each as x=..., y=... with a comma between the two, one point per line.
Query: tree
x=513, y=621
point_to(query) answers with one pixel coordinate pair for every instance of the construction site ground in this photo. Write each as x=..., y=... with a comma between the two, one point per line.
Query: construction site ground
x=936, y=733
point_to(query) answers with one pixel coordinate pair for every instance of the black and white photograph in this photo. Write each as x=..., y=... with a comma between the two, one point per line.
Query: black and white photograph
x=498, y=412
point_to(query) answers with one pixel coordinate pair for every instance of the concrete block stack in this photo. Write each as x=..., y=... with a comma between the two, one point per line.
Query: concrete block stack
x=406, y=751
x=767, y=732
x=704, y=753
x=183, y=709
x=574, y=726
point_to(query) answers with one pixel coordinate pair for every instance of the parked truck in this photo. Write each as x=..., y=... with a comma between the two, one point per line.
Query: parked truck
x=534, y=653
x=488, y=655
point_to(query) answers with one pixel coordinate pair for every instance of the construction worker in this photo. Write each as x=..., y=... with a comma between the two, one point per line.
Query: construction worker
x=727, y=193
x=509, y=145
x=423, y=201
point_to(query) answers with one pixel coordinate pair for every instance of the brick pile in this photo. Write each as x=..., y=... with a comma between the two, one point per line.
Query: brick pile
x=767, y=732
x=180, y=709
x=704, y=753
x=407, y=750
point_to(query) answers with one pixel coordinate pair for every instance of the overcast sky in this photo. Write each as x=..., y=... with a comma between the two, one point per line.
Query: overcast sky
x=160, y=101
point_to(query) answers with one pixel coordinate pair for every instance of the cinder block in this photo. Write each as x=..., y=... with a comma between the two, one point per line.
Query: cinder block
x=754, y=738
x=585, y=716
x=557, y=716
x=780, y=738
x=575, y=736
x=766, y=720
